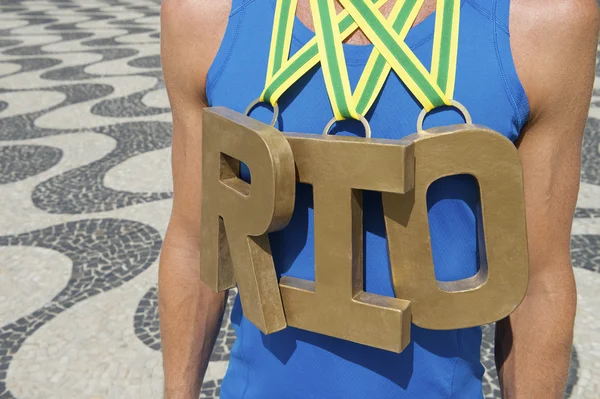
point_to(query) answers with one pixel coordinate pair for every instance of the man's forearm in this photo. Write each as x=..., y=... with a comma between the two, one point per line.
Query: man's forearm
x=190, y=315
x=533, y=345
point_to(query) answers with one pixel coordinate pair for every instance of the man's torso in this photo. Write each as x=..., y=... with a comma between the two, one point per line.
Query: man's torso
x=301, y=364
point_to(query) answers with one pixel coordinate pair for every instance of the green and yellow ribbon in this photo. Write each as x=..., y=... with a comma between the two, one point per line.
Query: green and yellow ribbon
x=333, y=62
x=432, y=89
x=280, y=80
x=445, y=45
x=402, y=60
x=281, y=38
x=403, y=15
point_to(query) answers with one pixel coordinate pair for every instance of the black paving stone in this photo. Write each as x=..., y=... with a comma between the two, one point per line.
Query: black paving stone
x=590, y=157
x=19, y=162
x=585, y=252
x=147, y=241
x=81, y=190
x=152, y=61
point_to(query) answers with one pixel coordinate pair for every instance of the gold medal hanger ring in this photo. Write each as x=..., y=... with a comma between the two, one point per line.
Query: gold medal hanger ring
x=454, y=104
x=257, y=102
x=361, y=119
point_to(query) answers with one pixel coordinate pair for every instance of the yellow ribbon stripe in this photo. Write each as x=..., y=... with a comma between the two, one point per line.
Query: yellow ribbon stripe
x=367, y=89
x=305, y=59
x=445, y=45
x=281, y=38
x=378, y=30
x=333, y=61
x=431, y=89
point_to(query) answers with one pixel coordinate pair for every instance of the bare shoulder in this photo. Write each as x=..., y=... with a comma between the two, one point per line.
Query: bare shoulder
x=191, y=33
x=554, y=47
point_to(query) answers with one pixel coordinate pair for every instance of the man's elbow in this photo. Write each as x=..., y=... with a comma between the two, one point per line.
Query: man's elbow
x=554, y=284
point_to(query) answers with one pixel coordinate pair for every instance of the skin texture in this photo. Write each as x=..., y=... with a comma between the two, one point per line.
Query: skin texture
x=554, y=48
x=191, y=32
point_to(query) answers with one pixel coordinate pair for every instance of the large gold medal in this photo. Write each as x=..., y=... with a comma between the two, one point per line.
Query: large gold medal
x=236, y=217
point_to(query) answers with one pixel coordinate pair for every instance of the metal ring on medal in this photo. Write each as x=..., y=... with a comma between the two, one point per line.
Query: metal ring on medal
x=453, y=103
x=253, y=105
x=361, y=119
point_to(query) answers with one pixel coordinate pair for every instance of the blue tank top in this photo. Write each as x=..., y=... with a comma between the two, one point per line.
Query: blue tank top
x=437, y=364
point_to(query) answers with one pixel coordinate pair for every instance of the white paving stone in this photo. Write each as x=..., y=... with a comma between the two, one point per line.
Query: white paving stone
x=589, y=196
x=34, y=275
x=105, y=351
x=18, y=212
x=143, y=173
x=156, y=98
x=78, y=116
x=11, y=23
x=19, y=102
x=7, y=68
x=587, y=333
x=32, y=79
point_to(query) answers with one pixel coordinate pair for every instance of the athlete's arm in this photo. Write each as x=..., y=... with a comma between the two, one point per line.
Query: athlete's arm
x=191, y=32
x=554, y=46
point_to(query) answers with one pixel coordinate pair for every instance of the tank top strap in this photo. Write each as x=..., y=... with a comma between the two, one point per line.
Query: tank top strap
x=500, y=12
x=238, y=5
x=240, y=11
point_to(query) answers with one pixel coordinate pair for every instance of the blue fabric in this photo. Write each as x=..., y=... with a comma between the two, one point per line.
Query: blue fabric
x=437, y=364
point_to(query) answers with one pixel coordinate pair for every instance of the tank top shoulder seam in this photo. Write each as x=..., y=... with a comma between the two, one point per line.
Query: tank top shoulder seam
x=486, y=13
x=508, y=89
x=221, y=68
x=517, y=102
x=240, y=7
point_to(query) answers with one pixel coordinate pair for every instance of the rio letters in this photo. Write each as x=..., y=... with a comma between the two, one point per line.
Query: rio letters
x=236, y=217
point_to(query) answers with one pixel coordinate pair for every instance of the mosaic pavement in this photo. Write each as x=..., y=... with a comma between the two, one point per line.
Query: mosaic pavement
x=85, y=192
